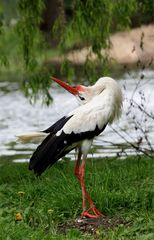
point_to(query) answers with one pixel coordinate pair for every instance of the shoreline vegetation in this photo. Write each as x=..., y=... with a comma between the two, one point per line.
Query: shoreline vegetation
x=49, y=207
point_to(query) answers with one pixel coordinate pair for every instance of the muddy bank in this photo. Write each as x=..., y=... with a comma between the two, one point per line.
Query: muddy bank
x=131, y=46
x=127, y=47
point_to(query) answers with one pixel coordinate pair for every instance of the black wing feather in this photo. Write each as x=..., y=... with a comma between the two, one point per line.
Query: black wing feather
x=57, y=125
x=42, y=149
x=47, y=153
x=55, y=147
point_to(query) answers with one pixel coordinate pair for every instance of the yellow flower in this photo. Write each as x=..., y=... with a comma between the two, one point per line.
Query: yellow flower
x=21, y=193
x=50, y=211
x=18, y=216
x=98, y=232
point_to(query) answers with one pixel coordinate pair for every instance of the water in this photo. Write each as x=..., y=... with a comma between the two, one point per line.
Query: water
x=17, y=115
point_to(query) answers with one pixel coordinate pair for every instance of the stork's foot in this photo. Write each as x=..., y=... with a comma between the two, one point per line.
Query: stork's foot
x=92, y=212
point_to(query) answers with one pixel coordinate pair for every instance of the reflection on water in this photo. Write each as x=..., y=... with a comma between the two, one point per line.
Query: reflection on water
x=17, y=116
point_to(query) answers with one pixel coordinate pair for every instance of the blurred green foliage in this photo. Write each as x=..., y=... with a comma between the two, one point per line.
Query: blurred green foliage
x=23, y=46
x=144, y=13
x=91, y=25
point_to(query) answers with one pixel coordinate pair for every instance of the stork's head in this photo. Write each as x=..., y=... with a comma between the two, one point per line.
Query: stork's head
x=82, y=93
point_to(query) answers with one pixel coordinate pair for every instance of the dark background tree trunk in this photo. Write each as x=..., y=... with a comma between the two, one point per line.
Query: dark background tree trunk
x=54, y=9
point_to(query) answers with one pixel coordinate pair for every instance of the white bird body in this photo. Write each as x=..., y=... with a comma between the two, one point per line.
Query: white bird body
x=102, y=109
x=104, y=106
x=101, y=105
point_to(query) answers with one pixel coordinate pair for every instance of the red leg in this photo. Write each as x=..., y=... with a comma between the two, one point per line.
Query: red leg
x=79, y=173
x=86, y=213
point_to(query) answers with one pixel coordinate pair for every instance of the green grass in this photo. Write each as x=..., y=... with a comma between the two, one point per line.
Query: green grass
x=121, y=188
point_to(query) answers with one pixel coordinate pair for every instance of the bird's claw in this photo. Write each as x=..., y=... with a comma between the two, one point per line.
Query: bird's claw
x=94, y=210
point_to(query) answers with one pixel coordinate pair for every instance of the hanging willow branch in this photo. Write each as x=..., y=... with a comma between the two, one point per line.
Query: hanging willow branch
x=91, y=25
x=30, y=12
x=36, y=79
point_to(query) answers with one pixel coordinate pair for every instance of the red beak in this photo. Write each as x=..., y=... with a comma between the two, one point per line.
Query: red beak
x=69, y=88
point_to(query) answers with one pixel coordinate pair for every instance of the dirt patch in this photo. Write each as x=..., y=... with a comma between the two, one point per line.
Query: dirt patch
x=92, y=226
x=127, y=47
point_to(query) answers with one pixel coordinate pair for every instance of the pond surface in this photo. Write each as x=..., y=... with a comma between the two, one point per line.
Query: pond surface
x=17, y=115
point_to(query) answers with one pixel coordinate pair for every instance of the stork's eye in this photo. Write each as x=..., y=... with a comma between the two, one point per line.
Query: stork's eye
x=82, y=98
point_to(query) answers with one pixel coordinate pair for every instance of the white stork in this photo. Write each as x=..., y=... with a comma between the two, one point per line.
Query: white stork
x=101, y=104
